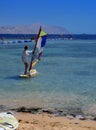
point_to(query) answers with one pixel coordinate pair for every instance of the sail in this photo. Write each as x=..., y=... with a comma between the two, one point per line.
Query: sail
x=39, y=46
x=41, y=42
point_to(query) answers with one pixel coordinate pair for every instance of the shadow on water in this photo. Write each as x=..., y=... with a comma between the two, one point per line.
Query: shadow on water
x=17, y=77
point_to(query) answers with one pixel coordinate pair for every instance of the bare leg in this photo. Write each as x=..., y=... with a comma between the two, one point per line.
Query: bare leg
x=26, y=67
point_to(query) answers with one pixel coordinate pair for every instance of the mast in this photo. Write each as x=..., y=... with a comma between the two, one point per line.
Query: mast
x=34, y=49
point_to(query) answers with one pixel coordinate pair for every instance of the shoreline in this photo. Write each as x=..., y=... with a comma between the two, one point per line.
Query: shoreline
x=35, y=118
x=56, y=112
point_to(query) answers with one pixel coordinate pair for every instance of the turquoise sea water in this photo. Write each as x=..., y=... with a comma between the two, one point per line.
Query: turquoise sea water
x=66, y=76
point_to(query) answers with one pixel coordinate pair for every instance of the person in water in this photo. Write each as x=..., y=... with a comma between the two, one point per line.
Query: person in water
x=25, y=54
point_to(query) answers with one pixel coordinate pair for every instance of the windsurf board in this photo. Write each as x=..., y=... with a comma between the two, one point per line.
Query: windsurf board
x=32, y=73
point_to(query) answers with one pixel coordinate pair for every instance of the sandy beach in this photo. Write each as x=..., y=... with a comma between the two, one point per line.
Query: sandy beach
x=28, y=121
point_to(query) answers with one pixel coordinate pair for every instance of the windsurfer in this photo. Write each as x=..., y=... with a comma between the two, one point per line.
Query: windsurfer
x=25, y=54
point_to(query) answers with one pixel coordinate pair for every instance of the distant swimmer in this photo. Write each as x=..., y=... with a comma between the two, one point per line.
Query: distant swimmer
x=25, y=54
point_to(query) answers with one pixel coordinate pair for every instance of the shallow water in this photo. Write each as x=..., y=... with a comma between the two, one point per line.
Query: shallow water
x=66, y=76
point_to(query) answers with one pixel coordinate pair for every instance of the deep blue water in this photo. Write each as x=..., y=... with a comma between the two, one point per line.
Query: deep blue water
x=50, y=36
x=66, y=76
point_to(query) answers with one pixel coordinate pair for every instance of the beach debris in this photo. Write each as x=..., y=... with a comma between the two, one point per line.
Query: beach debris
x=94, y=118
x=47, y=111
x=81, y=117
x=70, y=116
x=32, y=110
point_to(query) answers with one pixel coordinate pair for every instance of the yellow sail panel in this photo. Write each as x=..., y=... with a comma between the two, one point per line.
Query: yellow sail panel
x=34, y=63
x=42, y=33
